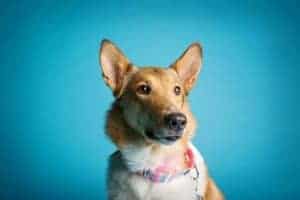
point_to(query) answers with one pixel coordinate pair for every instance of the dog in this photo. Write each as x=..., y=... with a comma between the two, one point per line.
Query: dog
x=152, y=126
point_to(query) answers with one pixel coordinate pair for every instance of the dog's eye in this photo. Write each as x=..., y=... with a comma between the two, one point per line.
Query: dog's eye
x=177, y=90
x=144, y=89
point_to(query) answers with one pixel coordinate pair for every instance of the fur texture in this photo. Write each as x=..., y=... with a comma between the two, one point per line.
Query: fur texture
x=136, y=124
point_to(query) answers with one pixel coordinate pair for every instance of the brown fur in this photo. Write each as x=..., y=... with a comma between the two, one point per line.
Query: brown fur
x=124, y=79
x=212, y=192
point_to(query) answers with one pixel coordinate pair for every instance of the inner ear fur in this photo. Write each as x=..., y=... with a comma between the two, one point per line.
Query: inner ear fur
x=188, y=65
x=115, y=65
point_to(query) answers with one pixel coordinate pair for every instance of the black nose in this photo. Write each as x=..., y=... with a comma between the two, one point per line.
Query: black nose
x=175, y=121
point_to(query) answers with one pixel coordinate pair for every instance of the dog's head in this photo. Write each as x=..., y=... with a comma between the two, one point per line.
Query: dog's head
x=153, y=100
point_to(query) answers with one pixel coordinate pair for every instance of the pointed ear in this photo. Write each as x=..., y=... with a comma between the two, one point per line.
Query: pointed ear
x=188, y=65
x=114, y=65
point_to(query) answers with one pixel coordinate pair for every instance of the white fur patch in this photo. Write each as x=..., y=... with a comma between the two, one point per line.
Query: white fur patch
x=123, y=184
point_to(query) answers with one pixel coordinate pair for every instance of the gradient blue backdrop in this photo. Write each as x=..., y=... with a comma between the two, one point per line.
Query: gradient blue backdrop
x=54, y=101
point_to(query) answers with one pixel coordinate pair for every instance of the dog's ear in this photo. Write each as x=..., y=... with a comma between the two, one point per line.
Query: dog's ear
x=188, y=65
x=114, y=65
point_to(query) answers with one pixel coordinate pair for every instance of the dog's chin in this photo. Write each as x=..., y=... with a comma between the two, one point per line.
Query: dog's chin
x=169, y=139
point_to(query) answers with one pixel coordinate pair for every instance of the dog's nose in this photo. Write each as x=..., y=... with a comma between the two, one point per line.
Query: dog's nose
x=175, y=121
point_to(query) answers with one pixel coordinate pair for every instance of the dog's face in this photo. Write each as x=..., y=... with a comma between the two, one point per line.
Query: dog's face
x=152, y=99
x=152, y=103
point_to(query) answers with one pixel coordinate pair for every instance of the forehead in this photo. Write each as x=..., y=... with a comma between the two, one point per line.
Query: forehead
x=155, y=75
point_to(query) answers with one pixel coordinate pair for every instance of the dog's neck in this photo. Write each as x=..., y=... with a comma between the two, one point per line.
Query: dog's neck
x=140, y=156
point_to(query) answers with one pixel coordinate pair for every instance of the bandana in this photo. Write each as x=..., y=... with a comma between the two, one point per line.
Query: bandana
x=161, y=175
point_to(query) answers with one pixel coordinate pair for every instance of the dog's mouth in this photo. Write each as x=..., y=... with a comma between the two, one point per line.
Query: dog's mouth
x=169, y=139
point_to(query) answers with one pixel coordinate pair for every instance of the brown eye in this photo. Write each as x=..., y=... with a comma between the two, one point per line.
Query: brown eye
x=177, y=90
x=144, y=89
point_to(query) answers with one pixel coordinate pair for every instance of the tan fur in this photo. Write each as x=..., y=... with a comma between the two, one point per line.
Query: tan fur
x=132, y=112
x=212, y=192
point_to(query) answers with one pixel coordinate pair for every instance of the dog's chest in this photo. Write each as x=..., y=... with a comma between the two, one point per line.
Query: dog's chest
x=123, y=184
x=183, y=187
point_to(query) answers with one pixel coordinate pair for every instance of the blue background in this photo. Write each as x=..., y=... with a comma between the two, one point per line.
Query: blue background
x=54, y=101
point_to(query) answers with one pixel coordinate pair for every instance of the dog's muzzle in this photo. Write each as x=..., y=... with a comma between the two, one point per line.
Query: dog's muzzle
x=174, y=124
